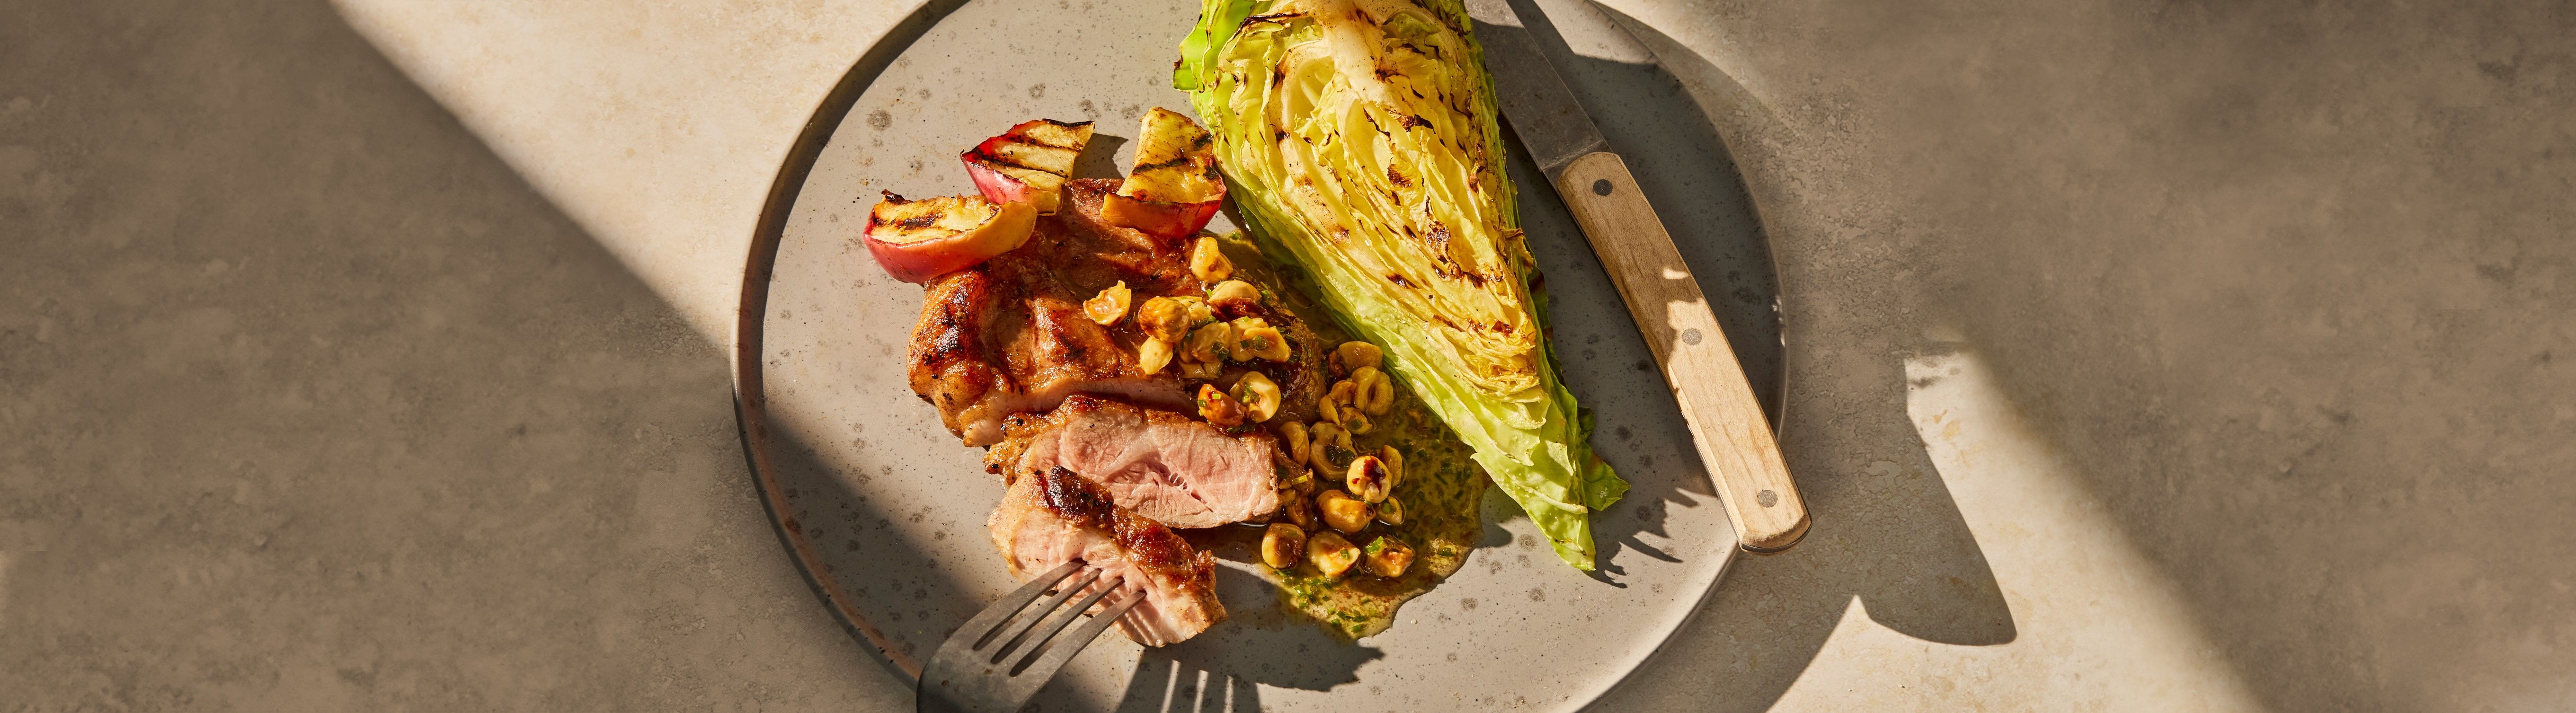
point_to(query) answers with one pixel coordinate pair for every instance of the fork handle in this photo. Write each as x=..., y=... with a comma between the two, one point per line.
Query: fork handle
x=1726, y=422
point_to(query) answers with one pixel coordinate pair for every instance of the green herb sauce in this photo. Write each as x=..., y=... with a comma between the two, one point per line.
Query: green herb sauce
x=1441, y=488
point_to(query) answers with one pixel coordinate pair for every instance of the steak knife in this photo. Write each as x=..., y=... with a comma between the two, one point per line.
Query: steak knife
x=1726, y=422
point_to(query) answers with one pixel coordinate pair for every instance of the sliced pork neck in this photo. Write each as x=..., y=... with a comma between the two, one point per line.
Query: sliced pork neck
x=1052, y=517
x=1160, y=464
x=1008, y=336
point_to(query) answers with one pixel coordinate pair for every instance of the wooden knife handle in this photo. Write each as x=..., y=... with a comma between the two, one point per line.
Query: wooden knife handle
x=1726, y=422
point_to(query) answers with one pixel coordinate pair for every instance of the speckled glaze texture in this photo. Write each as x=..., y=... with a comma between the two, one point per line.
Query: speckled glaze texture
x=889, y=510
x=2277, y=295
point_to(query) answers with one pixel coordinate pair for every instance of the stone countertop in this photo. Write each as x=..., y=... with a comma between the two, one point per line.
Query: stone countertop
x=2166, y=356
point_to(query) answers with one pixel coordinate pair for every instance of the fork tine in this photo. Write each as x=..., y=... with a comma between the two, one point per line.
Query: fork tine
x=1127, y=625
x=990, y=621
x=1039, y=614
x=1039, y=643
x=1046, y=663
x=967, y=676
x=1133, y=625
x=1144, y=625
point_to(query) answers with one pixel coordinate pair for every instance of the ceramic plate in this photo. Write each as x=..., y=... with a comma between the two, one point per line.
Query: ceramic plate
x=885, y=511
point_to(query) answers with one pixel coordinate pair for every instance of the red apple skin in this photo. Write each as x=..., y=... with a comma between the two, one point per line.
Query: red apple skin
x=1157, y=218
x=1030, y=162
x=920, y=260
x=1001, y=187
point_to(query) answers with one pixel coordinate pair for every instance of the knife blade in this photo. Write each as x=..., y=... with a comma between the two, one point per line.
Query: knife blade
x=1727, y=425
x=1543, y=113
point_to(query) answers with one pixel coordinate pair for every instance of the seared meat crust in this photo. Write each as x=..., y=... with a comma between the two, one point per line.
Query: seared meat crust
x=1009, y=335
x=1160, y=464
x=1052, y=517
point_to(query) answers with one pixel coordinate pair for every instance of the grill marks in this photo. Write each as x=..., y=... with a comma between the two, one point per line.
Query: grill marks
x=1391, y=68
x=1087, y=505
x=1158, y=464
x=1052, y=517
x=1008, y=335
x=950, y=368
x=1181, y=160
x=1280, y=18
x=1055, y=148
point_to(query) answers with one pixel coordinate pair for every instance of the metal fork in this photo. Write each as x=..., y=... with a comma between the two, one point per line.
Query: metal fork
x=999, y=659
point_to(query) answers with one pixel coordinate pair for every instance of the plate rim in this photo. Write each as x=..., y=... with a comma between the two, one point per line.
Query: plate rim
x=752, y=309
x=751, y=313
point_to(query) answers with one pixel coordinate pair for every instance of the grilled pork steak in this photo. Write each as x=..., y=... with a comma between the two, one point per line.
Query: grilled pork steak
x=1051, y=517
x=1009, y=336
x=1160, y=464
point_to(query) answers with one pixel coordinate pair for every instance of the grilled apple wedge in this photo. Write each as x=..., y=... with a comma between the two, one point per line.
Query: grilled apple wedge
x=1174, y=187
x=1029, y=163
x=915, y=240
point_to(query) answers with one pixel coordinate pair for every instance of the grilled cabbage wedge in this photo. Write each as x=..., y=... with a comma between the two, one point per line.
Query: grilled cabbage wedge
x=1360, y=141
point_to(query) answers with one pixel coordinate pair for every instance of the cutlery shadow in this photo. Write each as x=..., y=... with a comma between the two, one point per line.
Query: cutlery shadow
x=1875, y=549
x=884, y=586
x=1262, y=641
x=1682, y=164
x=1939, y=541
x=1166, y=685
x=1887, y=535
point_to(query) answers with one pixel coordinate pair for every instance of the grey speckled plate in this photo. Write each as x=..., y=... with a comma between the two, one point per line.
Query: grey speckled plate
x=885, y=511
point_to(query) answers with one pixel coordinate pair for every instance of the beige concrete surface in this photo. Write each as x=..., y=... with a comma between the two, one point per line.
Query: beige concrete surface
x=2145, y=356
x=307, y=402
x=2283, y=288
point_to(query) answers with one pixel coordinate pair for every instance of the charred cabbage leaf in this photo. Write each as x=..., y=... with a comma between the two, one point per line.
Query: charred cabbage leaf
x=1360, y=141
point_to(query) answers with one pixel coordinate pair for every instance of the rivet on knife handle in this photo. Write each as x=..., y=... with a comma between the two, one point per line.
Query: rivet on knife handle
x=1726, y=422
